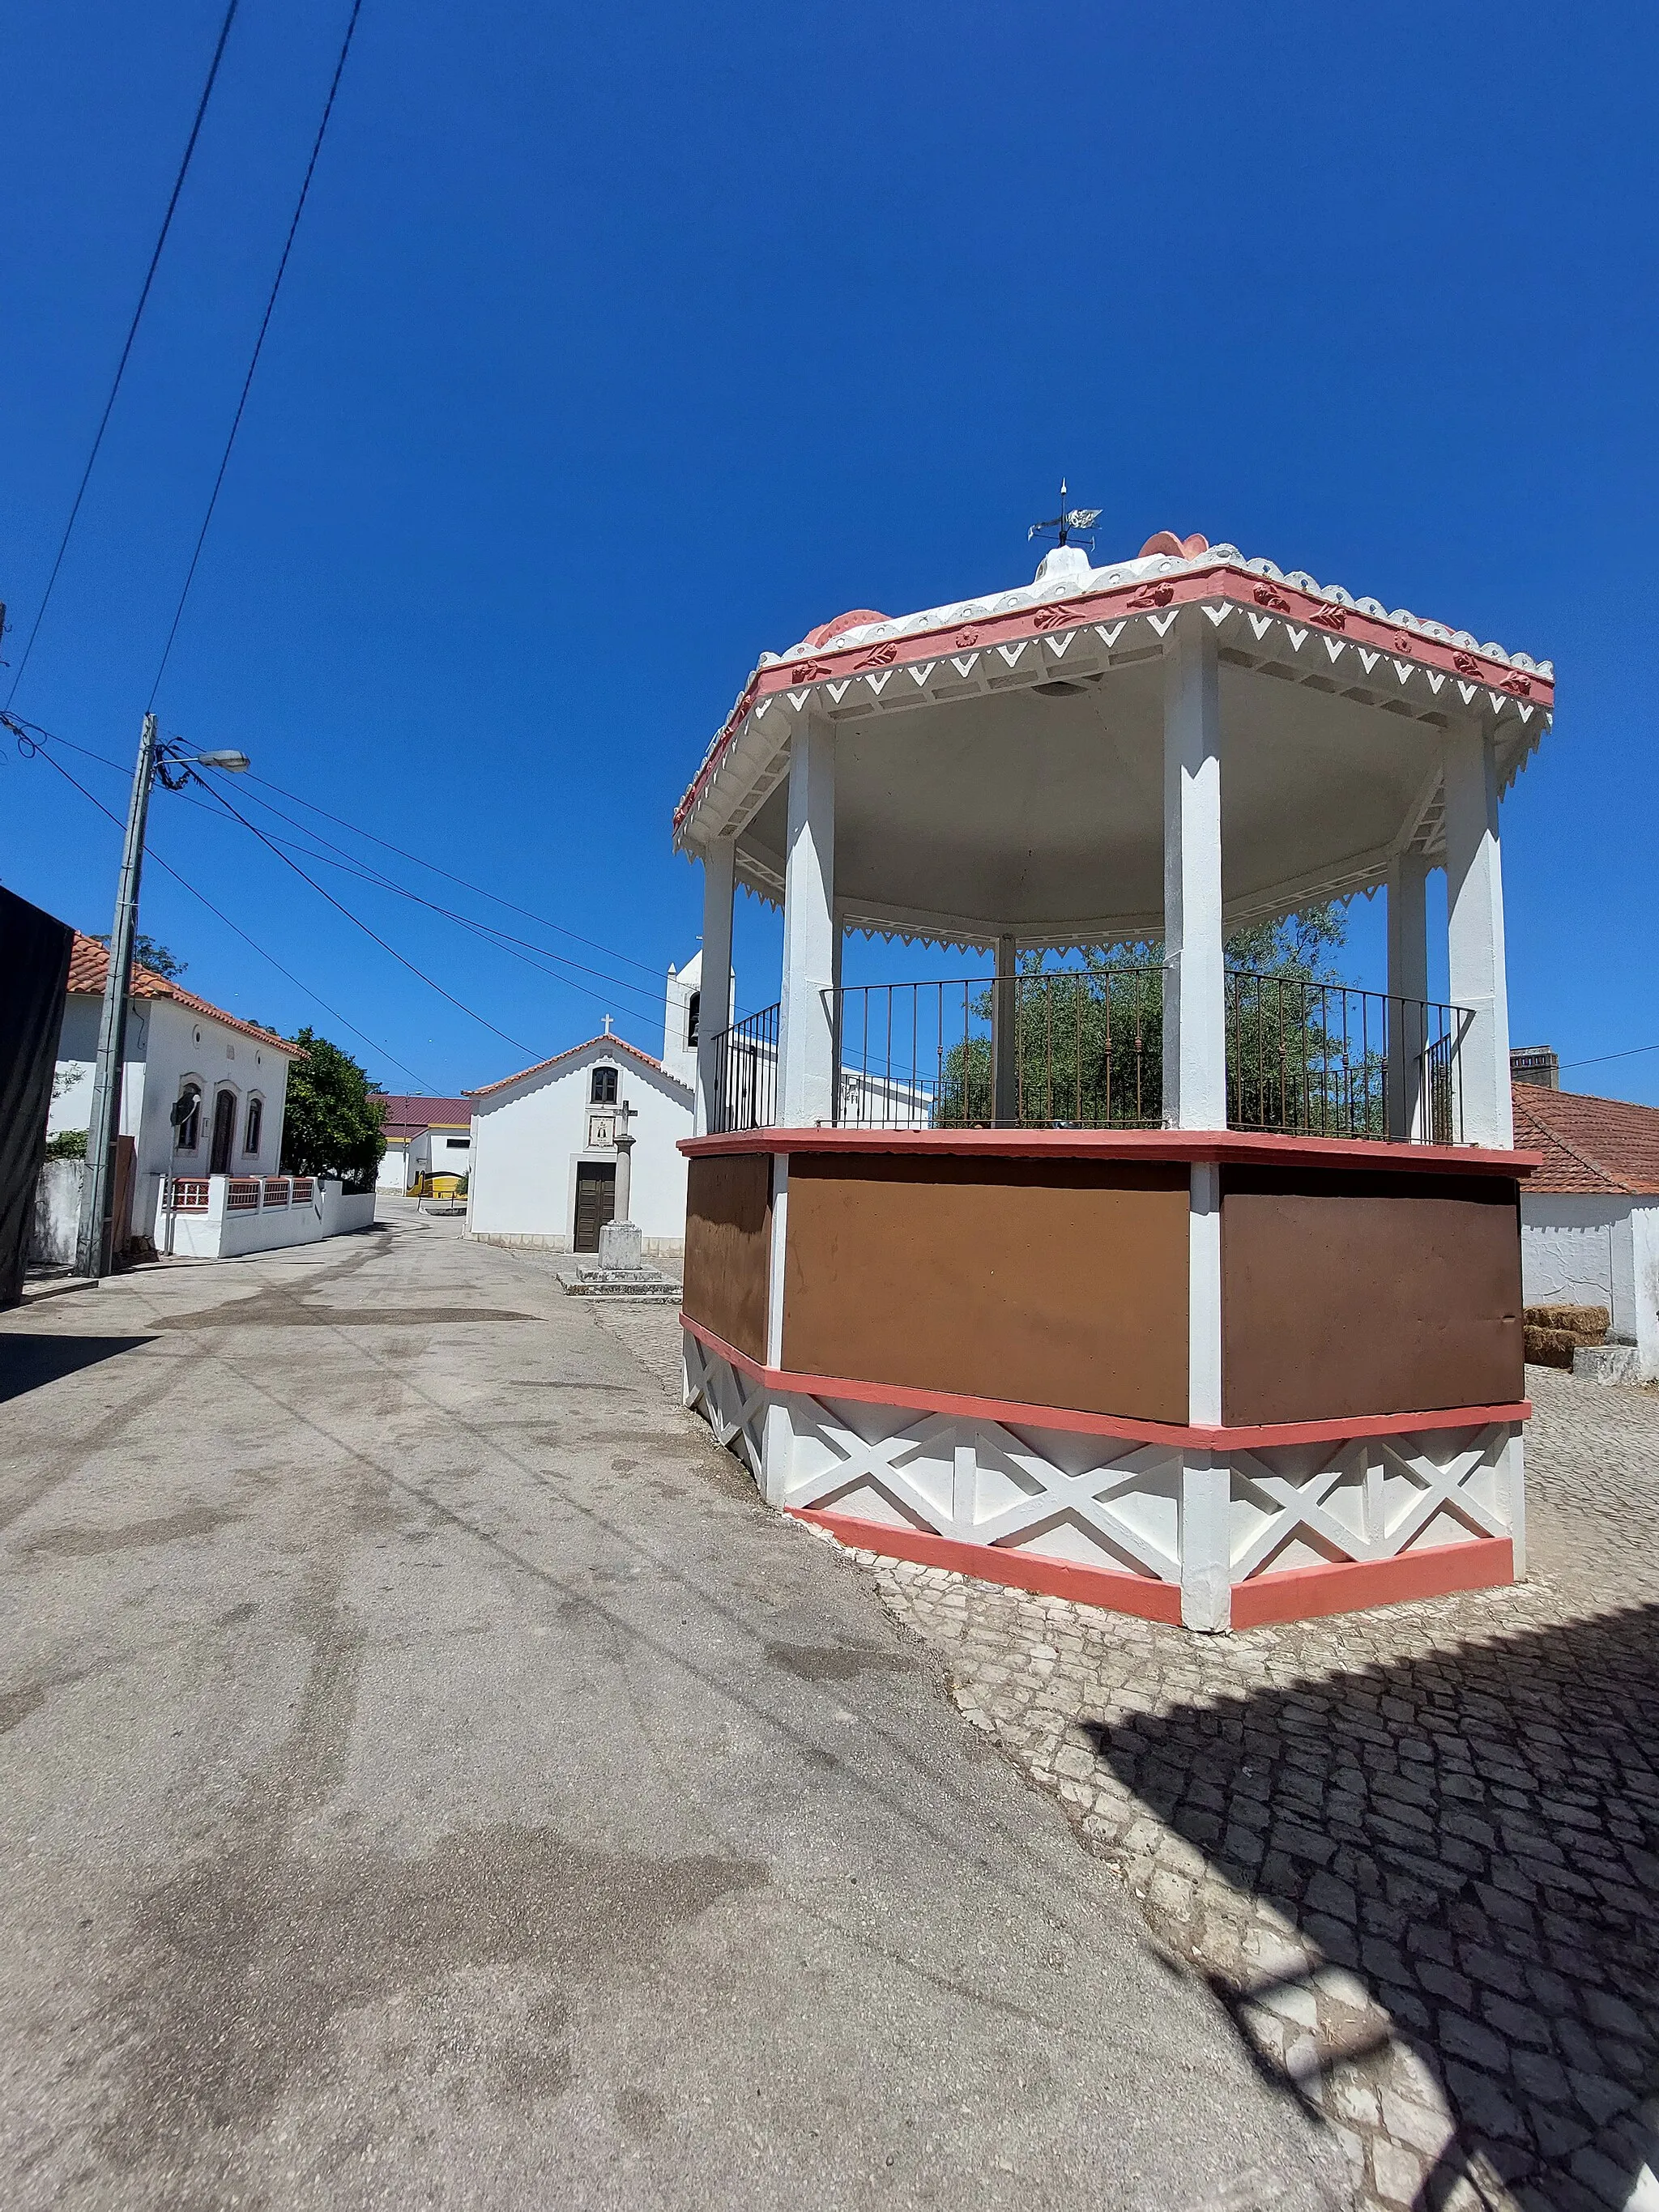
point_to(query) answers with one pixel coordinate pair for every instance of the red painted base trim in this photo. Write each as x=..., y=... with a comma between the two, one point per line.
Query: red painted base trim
x=991, y=1563
x=1297, y=1594
x=1243, y=1147
x=1355, y=1585
x=1013, y=1414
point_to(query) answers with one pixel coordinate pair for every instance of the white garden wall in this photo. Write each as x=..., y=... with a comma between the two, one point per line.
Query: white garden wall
x=1596, y=1251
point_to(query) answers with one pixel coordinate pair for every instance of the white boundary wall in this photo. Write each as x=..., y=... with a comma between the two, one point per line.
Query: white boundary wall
x=221, y=1234
x=1589, y=1250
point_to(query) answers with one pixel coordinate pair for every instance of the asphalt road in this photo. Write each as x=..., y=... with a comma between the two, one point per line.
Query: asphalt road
x=429, y=1776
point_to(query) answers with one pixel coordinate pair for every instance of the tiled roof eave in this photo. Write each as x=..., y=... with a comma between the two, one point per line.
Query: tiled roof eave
x=1150, y=596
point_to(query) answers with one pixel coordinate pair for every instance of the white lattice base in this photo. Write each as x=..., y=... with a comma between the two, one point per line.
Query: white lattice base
x=1056, y=1498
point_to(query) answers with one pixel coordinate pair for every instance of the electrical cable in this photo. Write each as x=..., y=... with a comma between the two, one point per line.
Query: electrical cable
x=185, y=882
x=258, y=344
x=532, y=955
x=656, y=1000
x=340, y=822
x=518, y=1043
x=126, y=351
x=1632, y=1053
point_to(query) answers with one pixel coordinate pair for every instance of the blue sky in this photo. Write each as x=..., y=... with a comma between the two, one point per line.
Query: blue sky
x=620, y=345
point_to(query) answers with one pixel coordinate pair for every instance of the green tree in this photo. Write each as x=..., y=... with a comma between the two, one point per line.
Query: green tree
x=149, y=952
x=333, y=1125
x=1090, y=1038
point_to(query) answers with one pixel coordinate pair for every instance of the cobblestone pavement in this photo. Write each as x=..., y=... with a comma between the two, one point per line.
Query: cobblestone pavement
x=1414, y=1852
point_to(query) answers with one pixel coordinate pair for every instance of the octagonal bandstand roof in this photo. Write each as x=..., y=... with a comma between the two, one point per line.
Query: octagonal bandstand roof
x=998, y=762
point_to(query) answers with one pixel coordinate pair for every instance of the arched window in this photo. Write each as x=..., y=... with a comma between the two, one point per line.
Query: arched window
x=255, y=1126
x=187, y=1118
x=693, y=1008
x=603, y=1093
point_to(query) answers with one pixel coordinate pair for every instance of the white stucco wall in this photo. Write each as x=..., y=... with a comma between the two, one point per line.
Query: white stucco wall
x=394, y=1167
x=527, y=1141
x=1595, y=1251
x=439, y=1152
x=167, y=1043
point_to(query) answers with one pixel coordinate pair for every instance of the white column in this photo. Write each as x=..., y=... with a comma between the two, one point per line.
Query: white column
x=777, y=1426
x=1408, y=980
x=714, y=1001
x=1205, y=1476
x=806, y=1072
x=1475, y=931
x=1194, y=987
x=1004, y=1042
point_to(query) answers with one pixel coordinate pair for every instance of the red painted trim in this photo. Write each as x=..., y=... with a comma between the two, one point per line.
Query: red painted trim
x=991, y=1563
x=1220, y=579
x=1295, y=1594
x=1239, y=1147
x=1354, y=1585
x=1014, y=1414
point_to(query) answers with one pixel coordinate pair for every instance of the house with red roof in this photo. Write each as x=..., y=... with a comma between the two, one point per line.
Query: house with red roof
x=1589, y=1217
x=423, y=1136
x=203, y=1091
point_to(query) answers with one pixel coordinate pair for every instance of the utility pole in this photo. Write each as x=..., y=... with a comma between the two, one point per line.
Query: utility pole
x=96, y=1233
x=94, y=1240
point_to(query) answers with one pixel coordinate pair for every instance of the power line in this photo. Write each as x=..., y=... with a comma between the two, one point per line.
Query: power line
x=656, y=1000
x=357, y=922
x=1602, y=1057
x=495, y=899
x=259, y=344
x=185, y=884
x=126, y=351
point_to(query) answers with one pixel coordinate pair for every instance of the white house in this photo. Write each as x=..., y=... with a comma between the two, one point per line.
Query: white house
x=431, y=1136
x=203, y=1092
x=544, y=1154
x=1589, y=1218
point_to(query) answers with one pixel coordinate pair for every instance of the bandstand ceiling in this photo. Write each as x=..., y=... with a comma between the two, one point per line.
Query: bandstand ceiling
x=1003, y=768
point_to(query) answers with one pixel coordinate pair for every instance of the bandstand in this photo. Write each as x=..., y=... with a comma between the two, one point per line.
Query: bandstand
x=1147, y=1280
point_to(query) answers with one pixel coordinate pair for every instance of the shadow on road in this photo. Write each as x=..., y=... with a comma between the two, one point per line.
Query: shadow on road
x=28, y=1362
x=1473, y=1834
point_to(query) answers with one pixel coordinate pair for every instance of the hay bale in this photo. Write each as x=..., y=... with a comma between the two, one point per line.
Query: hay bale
x=1549, y=1347
x=1584, y=1324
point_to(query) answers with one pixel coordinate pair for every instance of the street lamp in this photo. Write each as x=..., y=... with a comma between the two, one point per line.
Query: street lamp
x=95, y=1235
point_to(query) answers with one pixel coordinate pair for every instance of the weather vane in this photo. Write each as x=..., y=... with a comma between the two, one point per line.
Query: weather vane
x=1068, y=519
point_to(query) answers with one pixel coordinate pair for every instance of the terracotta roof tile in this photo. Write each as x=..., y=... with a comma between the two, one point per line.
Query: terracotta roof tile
x=408, y=1114
x=1589, y=1144
x=89, y=972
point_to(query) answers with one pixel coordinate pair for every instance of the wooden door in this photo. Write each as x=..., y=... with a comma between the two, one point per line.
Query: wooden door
x=596, y=1203
x=224, y=1132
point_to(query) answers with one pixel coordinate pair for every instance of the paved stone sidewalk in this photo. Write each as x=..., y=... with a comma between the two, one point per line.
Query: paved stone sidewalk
x=1415, y=1852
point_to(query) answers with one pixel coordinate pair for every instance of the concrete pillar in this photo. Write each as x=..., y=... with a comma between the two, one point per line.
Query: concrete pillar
x=624, y=1191
x=1206, y=1522
x=777, y=1425
x=1005, y=1035
x=806, y=1050
x=1408, y=982
x=1475, y=932
x=1194, y=975
x=714, y=1004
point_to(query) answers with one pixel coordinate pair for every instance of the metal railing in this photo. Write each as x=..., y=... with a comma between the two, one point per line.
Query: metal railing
x=1316, y=1059
x=747, y=1074
x=923, y=1055
x=1304, y=1058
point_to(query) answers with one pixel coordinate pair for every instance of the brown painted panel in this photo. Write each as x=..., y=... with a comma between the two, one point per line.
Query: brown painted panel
x=1356, y=1293
x=1052, y=1282
x=728, y=1242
